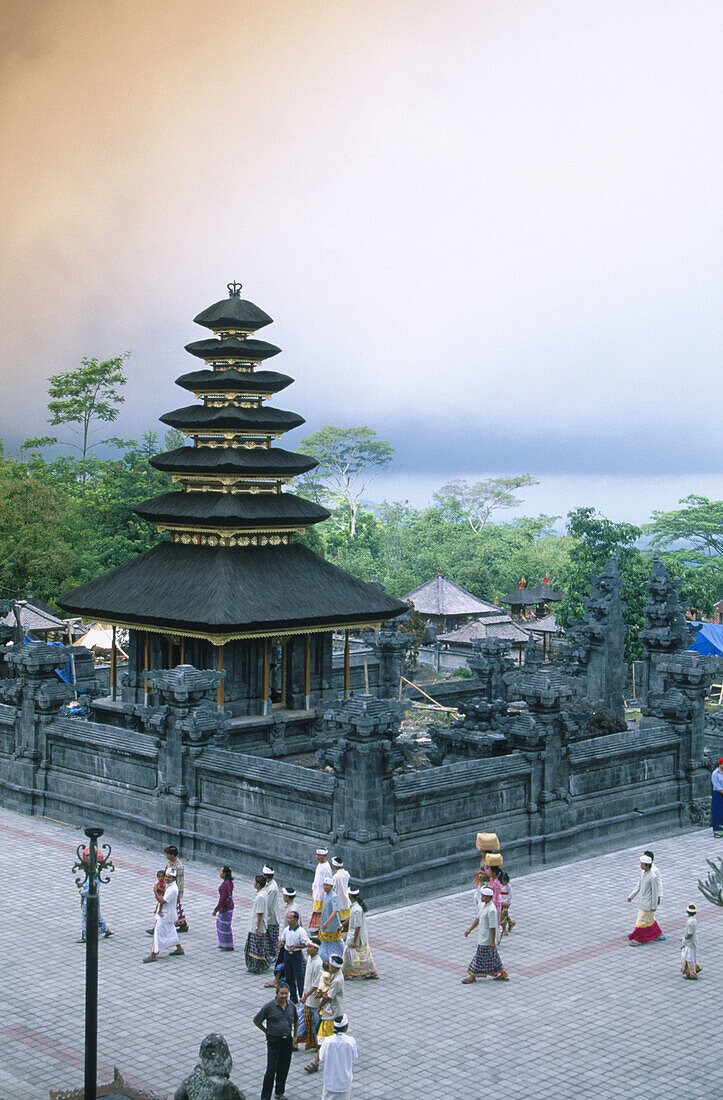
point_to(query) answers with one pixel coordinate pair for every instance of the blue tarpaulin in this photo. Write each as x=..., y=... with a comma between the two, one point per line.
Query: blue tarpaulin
x=709, y=639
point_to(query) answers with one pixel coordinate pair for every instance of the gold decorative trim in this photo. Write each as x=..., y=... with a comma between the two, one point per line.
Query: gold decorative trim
x=230, y=483
x=243, y=366
x=223, y=639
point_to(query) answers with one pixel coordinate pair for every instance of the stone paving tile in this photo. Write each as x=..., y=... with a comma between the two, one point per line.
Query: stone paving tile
x=581, y=1017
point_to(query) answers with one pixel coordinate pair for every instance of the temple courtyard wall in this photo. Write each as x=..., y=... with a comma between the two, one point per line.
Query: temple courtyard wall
x=395, y=828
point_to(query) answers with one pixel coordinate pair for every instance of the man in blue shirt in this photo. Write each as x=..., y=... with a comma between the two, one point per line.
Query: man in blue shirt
x=716, y=809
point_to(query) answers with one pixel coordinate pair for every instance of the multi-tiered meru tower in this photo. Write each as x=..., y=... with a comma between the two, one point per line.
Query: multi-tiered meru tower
x=232, y=587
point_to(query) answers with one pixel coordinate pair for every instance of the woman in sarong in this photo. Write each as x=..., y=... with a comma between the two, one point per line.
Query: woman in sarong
x=649, y=890
x=165, y=933
x=256, y=961
x=224, y=910
x=358, y=959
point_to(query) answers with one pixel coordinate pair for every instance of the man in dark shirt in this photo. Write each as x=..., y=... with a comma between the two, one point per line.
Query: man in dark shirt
x=280, y=1031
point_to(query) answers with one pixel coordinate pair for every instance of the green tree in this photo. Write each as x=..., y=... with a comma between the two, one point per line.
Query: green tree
x=475, y=502
x=690, y=542
x=595, y=540
x=87, y=394
x=698, y=526
x=348, y=460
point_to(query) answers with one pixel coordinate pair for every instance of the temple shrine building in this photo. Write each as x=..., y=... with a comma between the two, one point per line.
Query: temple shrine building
x=232, y=586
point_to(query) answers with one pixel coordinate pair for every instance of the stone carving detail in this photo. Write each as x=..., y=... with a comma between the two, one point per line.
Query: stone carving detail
x=211, y=1077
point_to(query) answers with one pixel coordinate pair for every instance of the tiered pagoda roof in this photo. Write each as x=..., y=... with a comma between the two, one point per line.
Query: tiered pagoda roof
x=232, y=566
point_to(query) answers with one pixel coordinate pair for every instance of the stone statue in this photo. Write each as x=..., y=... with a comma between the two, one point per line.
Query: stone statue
x=210, y=1079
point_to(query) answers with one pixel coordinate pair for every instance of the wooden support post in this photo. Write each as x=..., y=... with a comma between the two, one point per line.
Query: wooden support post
x=265, y=679
x=307, y=672
x=147, y=668
x=183, y=651
x=347, y=677
x=219, y=697
x=112, y=665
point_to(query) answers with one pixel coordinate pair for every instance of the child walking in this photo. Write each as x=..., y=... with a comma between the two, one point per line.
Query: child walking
x=506, y=922
x=689, y=947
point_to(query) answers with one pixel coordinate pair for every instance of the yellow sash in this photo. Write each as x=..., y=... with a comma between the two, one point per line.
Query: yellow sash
x=327, y=937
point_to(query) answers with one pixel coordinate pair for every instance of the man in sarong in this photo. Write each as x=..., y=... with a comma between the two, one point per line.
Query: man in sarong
x=648, y=890
x=330, y=927
x=310, y=996
x=271, y=893
x=317, y=891
x=486, y=961
x=165, y=933
x=341, y=888
x=174, y=864
x=331, y=1004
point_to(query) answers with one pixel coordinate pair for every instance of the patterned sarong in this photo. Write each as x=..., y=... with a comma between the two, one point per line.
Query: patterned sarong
x=359, y=962
x=311, y=1024
x=223, y=929
x=256, y=961
x=180, y=915
x=486, y=961
x=326, y=1028
x=271, y=943
x=646, y=927
x=329, y=944
x=315, y=920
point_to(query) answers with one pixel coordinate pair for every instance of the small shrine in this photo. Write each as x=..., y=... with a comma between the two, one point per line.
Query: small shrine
x=232, y=586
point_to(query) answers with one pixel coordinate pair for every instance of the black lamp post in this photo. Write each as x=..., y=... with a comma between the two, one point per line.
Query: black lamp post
x=90, y=871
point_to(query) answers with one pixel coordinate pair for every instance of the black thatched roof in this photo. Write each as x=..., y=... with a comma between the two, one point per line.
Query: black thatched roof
x=219, y=381
x=261, y=462
x=542, y=593
x=231, y=347
x=205, y=418
x=233, y=313
x=527, y=597
x=219, y=591
x=231, y=510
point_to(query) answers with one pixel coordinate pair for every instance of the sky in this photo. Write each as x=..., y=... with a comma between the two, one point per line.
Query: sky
x=490, y=229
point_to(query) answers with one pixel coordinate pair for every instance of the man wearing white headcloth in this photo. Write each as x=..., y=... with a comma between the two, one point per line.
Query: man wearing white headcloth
x=271, y=893
x=337, y=1056
x=165, y=933
x=486, y=962
x=341, y=887
x=330, y=927
x=317, y=889
x=648, y=892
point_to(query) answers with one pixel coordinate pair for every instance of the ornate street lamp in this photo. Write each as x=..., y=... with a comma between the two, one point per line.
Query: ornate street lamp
x=89, y=868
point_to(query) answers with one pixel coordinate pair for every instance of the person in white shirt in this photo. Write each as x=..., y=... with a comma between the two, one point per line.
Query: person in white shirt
x=271, y=938
x=486, y=961
x=294, y=939
x=256, y=961
x=689, y=946
x=358, y=958
x=648, y=890
x=341, y=887
x=310, y=996
x=289, y=899
x=338, y=1054
x=165, y=933
x=317, y=889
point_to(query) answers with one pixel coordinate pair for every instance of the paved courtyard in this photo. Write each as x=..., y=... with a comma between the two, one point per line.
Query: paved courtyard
x=582, y=1016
